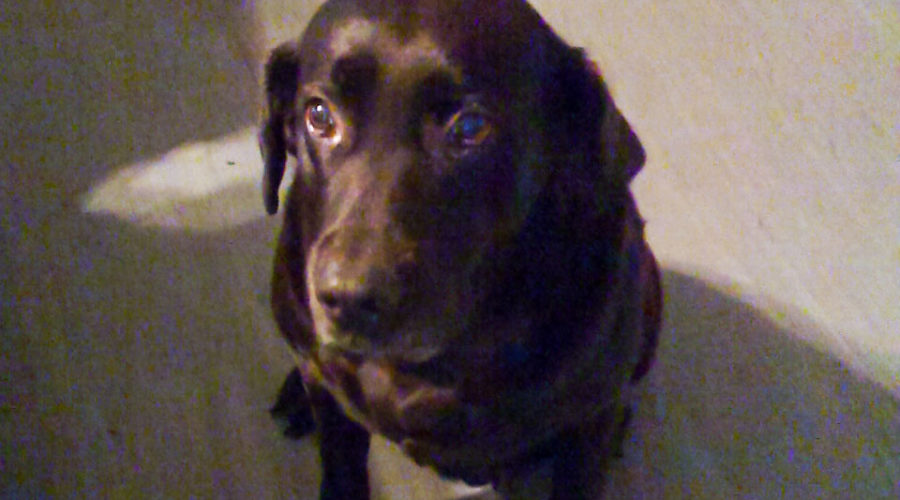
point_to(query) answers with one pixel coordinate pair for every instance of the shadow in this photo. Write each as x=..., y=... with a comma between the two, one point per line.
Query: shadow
x=738, y=407
x=141, y=363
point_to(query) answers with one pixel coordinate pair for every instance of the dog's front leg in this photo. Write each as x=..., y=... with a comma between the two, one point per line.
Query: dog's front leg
x=293, y=407
x=582, y=456
x=343, y=449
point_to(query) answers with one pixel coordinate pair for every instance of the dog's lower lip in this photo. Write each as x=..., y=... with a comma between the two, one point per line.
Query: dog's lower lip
x=437, y=370
x=397, y=357
x=415, y=356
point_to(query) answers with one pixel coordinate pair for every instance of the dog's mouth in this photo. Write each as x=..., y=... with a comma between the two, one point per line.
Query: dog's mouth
x=438, y=370
x=360, y=350
x=431, y=364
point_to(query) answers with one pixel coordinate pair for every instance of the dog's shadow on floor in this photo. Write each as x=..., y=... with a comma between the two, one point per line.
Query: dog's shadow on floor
x=738, y=406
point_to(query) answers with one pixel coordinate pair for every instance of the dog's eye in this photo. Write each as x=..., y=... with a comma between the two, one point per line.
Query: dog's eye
x=468, y=129
x=319, y=119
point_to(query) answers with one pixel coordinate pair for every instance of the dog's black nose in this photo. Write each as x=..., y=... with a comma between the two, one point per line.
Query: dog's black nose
x=360, y=282
x=353, y=307
x=360, y=299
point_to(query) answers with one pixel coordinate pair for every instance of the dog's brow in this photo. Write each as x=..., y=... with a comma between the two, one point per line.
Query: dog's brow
x=421, y=48
x=351, y=33
x=439, y=88
x=355, y=74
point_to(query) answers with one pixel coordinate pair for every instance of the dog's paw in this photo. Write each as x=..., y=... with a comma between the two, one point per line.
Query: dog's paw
x=292, y=408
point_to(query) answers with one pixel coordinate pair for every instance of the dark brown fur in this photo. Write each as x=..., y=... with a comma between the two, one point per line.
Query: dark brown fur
x=462, y=267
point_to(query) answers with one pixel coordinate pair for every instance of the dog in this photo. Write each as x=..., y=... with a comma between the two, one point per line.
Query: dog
x=462, y=267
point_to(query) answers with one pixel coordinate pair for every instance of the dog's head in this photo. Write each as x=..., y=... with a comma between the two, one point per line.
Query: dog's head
x=445, y=148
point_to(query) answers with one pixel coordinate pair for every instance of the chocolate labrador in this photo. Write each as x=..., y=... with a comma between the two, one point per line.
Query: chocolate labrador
x=462, y=267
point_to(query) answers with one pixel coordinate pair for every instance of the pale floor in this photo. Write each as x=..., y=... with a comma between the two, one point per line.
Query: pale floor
x=138, y=356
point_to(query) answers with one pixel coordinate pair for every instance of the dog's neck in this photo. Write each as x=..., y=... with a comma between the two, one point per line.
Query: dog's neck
x=553, y=274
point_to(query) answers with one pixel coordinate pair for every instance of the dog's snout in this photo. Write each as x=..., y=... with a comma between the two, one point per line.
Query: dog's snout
x=359, y=297
x=352, y=305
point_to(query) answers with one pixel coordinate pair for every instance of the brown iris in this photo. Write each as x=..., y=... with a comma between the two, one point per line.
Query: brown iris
x=468, y=129
x=319, y=119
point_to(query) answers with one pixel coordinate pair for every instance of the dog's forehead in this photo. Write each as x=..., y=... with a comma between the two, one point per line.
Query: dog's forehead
x=351, y=35
x=468, y=35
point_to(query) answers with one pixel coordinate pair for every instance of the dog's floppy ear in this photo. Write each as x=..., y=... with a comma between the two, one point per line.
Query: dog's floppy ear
x=276, y=139
x=619, y=146
x=596, y=120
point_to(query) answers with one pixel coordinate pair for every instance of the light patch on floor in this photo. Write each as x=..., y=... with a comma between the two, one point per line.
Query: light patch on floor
x=204, y=186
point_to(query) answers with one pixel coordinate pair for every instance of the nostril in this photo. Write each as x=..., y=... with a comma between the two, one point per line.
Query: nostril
x=358, y=297
x=329, y=299
x=338, y=304
x=368, y=306
x=365, y=314
x=351, y=310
